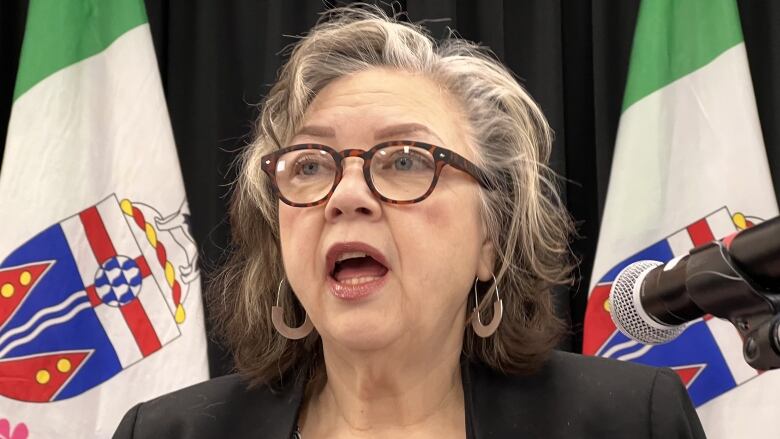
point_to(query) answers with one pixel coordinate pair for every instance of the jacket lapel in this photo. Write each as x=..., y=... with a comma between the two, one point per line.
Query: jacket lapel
x=497, y=407
x=272, y=414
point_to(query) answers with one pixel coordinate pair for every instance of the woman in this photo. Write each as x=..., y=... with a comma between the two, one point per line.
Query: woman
x=396, y=237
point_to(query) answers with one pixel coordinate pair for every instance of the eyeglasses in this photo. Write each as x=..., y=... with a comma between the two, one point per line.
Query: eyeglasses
x=397, y=172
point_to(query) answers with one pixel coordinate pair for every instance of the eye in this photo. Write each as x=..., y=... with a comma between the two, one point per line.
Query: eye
x=312, y=164
x=403, y=163
x=309, y=168
x=406, y=161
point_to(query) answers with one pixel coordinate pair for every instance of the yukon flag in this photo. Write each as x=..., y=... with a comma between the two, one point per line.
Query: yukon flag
x=100, y=303
x=689, y=166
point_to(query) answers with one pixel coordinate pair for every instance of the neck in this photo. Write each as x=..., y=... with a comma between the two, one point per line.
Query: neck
x=390, y=392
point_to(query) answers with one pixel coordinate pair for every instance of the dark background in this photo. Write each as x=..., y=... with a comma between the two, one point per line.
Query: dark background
x=218, y=59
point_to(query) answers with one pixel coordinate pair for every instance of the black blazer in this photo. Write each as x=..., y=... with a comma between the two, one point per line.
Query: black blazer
x=572, y=396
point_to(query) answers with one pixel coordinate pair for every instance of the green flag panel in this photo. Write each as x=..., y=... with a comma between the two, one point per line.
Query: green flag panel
x=62, y=32
x=675, y=37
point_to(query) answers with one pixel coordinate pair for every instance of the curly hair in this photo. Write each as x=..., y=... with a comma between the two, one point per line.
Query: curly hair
x=523, y=214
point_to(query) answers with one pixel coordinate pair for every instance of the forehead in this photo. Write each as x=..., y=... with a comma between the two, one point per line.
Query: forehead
x=379, y=104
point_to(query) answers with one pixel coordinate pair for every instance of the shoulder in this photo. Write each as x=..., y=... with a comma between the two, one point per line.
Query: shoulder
x=221, y=407
x=579, y=396
x=594, y=373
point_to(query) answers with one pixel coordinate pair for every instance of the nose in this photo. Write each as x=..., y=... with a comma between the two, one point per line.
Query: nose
x=352, y=197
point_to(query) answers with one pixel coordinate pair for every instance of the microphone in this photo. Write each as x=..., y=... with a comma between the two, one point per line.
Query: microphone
x=736, y=278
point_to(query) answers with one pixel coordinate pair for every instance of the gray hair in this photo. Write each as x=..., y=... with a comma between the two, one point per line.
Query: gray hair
x=523, y=215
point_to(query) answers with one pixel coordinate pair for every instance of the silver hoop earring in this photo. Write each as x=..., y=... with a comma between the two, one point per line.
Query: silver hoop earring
x=481, y=330
x=277, y=318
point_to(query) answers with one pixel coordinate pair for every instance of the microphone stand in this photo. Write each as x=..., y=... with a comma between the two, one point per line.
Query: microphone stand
x=720, y=285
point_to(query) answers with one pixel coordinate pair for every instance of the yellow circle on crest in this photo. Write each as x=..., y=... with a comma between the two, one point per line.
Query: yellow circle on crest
x=170, y=276
x=739, y=220
x=25, y=278
x=126, y=206
x=151, y=235
x=63, y=365
x=7, y=290
x=607, y=306
x=180, y=314
x=43, y=376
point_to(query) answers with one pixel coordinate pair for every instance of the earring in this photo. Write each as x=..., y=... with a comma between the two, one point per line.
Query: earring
x=481, y=330
x=277, y=318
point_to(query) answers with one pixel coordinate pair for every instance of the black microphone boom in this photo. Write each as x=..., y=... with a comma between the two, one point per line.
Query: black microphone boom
x=736, y=278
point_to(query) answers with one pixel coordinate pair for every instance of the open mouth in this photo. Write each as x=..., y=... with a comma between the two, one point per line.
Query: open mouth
x=354, y=268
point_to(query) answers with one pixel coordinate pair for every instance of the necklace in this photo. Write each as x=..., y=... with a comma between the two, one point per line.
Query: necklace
x=297, y=433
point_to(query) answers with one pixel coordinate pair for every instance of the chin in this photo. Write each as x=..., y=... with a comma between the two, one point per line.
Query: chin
x=362, y=333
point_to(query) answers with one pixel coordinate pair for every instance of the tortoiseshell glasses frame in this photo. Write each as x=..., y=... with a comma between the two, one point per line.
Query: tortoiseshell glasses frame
x=441, y=157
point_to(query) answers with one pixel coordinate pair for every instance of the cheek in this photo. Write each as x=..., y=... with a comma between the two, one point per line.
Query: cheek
x=455, y=235
x=287, y=221
x=446, y=241
x=454, y=219
x=299, y=234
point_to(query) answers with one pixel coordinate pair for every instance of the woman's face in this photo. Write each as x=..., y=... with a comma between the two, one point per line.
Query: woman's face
x=430, y=251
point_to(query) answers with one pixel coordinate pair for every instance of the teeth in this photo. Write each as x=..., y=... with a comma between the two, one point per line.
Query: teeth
x=350, y=255
x=359, y=280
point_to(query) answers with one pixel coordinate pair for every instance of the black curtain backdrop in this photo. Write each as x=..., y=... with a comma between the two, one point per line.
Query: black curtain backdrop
x=218, y=59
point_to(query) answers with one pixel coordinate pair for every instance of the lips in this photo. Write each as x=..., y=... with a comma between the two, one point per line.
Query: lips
x=357, y=267
x=341, y=252
x=355, y=270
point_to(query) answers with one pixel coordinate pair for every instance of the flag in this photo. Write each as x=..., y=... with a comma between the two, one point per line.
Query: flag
x=689, y=166
x=100, y=302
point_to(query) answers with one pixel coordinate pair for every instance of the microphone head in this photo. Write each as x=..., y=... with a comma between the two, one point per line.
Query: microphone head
x=627, y=311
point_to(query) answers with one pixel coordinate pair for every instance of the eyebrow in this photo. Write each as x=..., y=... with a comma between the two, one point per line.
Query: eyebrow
x=317, y=131
x=398, y=130
x=403, y=129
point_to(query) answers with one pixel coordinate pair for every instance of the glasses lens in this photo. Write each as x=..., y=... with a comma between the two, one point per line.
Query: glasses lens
x=402, y=173
x=306, y=175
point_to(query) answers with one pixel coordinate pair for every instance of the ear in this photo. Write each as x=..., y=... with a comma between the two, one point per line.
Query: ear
x=487, y=258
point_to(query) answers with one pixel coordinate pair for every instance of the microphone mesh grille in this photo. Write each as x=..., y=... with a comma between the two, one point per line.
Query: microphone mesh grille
x=627, y=312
